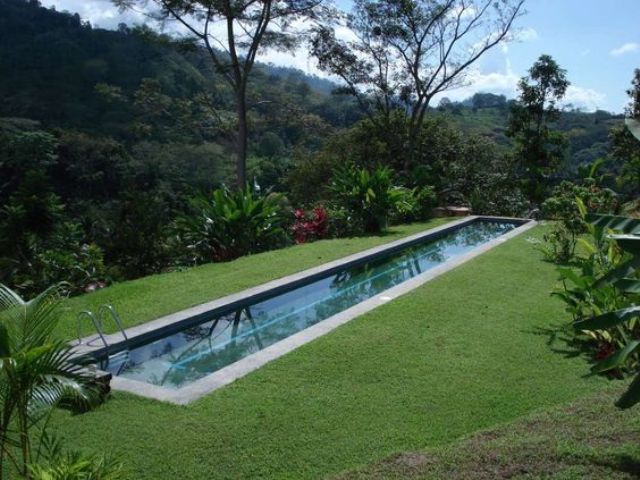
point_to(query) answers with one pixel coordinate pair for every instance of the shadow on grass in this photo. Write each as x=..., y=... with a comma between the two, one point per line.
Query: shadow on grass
x=622, y=463
x=561, y=339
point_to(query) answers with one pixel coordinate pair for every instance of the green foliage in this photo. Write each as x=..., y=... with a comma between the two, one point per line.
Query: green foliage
x=78, y=466
x=36, y=374
x=539, y=148
x=568, y=206
x=625, y=147
x=224, y=225
x=445, y=162
x=603, y=294
x=369, y=197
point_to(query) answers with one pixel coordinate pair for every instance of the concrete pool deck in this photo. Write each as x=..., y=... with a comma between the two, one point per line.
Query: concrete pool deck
x=230, y=373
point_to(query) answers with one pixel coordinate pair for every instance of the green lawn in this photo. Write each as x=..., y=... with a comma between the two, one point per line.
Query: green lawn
x=461, y=353
x=151, y=297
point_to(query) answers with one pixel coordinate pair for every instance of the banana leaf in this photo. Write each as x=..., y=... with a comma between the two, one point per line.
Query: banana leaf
x=613, y=222
x=629, y=243
x=625, y=270
x=607, y=320
x=628, y=285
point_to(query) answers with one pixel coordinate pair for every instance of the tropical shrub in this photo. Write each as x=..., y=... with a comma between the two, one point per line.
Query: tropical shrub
x=568, y=206
x=425, y=200
x=625, y=279
x=77, y=466
x=224, y=225
x=368, y=198
x=603, y=296
x=308, y=227
x=36, y=375
x=33, y=262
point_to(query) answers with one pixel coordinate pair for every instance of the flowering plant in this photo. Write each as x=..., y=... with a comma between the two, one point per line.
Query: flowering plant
x=310, y=226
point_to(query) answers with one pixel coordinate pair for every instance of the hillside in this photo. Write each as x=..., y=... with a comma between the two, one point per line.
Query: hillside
x=487, y=115
x=53, y=61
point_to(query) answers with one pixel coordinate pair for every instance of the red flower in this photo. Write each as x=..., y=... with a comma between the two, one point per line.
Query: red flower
x=605, y=350
x=306, y=228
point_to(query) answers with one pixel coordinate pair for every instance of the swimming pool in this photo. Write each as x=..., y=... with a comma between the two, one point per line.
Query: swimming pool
x=217, y=340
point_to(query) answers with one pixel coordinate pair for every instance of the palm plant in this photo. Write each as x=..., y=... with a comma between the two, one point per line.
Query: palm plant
x=36, y=374
x=225, y=225
x=369, y=196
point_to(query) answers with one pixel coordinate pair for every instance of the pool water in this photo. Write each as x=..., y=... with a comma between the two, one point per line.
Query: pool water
x=180, y=358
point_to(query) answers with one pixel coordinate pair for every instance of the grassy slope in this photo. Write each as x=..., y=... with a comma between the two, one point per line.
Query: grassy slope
x=586, y=439
x=150, y=297
x=459, y=354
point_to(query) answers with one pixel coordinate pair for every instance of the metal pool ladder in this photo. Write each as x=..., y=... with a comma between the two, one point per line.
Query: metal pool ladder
x=107, y=310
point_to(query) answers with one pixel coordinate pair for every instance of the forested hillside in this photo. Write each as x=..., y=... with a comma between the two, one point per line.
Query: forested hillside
x=128, y=84
x=487, y=114
x=106, y=136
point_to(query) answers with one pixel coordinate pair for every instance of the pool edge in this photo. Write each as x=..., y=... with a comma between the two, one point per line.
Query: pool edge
x=230, y=373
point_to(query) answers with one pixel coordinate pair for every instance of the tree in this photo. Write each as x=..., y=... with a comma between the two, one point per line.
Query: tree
x=408, y=51
x=633, y=109
x=539, y=149
x=233, y=32
x=625, y=141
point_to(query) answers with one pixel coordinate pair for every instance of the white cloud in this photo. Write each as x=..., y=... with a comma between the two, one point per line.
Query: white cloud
x=585, y=52
x=500, y=83
x=584, y=98
x=506, y=82
x=526, y=35
x=101, y=13
x=629, y=47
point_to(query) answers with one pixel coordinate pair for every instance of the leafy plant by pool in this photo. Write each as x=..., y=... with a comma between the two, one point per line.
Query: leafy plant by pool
x=369, y=197
x=226, y=224
x=36, y=375
x=604, y=294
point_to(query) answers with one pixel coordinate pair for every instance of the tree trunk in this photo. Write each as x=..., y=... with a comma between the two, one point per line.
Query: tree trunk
x=23, y=423
x=241, y=161
x=413, y=132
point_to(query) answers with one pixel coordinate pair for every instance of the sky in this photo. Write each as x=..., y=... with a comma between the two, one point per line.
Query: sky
x=596, y=41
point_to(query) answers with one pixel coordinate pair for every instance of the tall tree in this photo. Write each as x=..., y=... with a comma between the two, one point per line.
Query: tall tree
x=625, y=140
x=405, y=52
x=538, y=147
x=233, y=32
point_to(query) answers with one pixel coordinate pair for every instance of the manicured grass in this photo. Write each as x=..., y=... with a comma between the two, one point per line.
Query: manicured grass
x=461, y=353
x=589, y=438
x=151, y=297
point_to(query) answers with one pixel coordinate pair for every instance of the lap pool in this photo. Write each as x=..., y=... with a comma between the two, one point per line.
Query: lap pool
x=209, y=342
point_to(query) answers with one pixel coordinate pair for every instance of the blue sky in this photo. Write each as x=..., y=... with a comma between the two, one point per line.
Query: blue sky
x=596, y=41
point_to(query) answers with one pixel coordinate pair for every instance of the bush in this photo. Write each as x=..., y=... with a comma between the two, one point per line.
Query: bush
x=37, y=374
x=565, y=207
x=60, y=256
x=368, y=198
x=78, y=466
x=224, y=225
x=309, y=227
x=602, y=296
